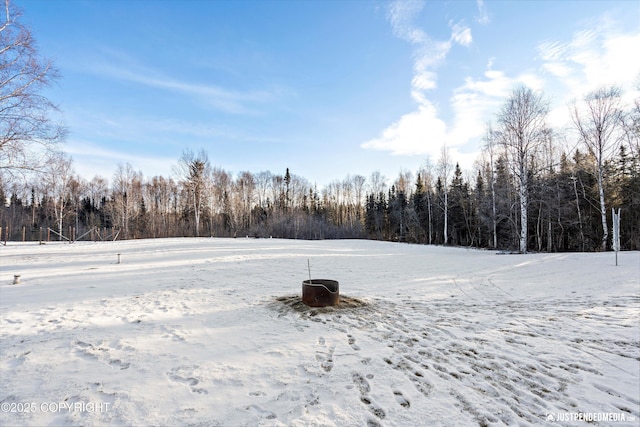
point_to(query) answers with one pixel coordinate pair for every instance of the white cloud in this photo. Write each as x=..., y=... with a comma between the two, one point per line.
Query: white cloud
x=621, y=59
x=478, y=100
x=558, y=69
x=483, y=16
x=401, y=15
x=531, y=80
x=461, y=34
x=568, y=69
x=594, y=57
x=495, y=84
x=415, y=133
x=422, y=131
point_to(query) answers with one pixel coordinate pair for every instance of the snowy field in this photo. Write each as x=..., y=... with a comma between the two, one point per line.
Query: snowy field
x=207, y=332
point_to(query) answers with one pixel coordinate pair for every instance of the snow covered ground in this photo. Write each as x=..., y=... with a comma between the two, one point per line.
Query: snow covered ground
x=207, y=332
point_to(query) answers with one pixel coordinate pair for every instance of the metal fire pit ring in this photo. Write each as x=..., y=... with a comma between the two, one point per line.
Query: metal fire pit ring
x=320, y=292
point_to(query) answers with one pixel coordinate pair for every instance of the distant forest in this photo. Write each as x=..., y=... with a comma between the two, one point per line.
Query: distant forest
x=437, y=204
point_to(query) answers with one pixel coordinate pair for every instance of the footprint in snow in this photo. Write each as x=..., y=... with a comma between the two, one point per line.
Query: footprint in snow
x=364, y=387
x=361, y=383
x=352, y=342
x=402, y=401
x=119, y=364
x=261, y=412
x=176, y=375
x=325, y=357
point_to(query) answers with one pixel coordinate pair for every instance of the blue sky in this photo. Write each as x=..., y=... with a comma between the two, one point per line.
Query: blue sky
x=326, y=88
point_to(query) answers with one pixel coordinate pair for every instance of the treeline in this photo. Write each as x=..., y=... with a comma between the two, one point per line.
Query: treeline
x=528, y=191
x=482, y=210
x=216, y=204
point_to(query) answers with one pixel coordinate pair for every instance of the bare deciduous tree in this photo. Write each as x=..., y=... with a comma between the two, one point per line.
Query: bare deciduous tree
x=123, y=196
x=245, y=186
x=27, y=131
x=445, y=167
x=377, y=183
x=599, y=124
x=194, y=172
x=426, y=172
x=58, y=177
x=522, y=131
x=490, y=148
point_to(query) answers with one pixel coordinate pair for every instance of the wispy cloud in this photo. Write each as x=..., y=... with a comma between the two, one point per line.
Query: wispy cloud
x=461, y=34
x=118, y=65
x=420, y=131
x=597, y=55
x=149, y=134
x=594, y=57
x=483, y=15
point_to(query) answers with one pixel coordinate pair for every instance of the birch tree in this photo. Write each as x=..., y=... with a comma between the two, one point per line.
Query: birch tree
x=599, y=124
x=124, y=196
x=28, y=133
x=445, y=166
x=522, y=131
x=58, y=176
x=489, y=149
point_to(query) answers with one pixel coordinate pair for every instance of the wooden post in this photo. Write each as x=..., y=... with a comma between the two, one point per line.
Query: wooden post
x=40, y=235
x=24, y=232
x=48, y=234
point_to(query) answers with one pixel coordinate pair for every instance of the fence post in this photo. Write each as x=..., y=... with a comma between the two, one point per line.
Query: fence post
x=616, y=231
x=24, y=233
x=40, y=235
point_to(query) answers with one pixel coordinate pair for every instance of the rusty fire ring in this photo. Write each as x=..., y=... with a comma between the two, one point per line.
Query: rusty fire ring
x=320, y=292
